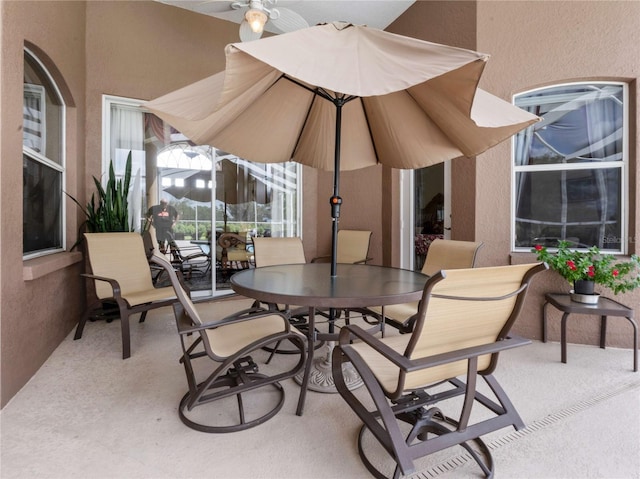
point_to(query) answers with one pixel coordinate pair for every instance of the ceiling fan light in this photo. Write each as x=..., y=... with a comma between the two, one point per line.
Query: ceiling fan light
x=256, y=19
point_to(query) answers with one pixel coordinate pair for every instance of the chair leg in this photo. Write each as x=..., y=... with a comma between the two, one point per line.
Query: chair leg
x=83, y=320
x=126, y=335
x=387, y=431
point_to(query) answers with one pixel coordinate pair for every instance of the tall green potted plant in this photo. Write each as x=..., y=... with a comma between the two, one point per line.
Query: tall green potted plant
x=110, y=211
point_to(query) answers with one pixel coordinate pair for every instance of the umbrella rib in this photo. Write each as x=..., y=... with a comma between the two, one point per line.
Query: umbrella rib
x=299, y=83
x=316, y=92
x=306, y=117
x=321, y=92
x=373, y=143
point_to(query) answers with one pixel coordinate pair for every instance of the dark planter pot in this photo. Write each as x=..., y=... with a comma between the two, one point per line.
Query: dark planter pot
x=583, y=287
x=583, y=292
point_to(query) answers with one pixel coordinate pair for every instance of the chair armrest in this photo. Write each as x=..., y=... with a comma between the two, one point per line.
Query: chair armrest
x=240, y=316
x=321, y=259
x=363, y=261
x=430, y=361
x=114, y=283
x=345, y=339
x=467, y=353
x=324, y=259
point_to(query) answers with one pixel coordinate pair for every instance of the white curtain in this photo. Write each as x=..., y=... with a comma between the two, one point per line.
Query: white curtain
x=33, y=111
x=127, y=133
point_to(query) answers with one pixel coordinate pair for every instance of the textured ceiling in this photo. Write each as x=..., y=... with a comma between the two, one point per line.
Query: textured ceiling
x=374, y=13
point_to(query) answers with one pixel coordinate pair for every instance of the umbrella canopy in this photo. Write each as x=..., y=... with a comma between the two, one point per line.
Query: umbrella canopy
x=342, y=97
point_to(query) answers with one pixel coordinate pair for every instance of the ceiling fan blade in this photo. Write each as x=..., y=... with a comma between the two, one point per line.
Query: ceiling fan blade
x=246, y=34
x=213, y=6
x=287, y=20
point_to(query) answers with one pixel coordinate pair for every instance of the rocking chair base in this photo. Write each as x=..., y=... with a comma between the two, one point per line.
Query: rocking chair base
x=435, y=425
x=247, y=373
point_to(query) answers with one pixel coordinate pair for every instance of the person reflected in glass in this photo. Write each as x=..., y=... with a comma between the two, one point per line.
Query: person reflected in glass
x=163, y=217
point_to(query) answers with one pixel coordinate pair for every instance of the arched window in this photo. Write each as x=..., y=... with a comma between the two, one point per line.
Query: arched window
x=570, y=169
x=43, y=161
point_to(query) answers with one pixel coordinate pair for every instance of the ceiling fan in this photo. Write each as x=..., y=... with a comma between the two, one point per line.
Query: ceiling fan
x=256, y=13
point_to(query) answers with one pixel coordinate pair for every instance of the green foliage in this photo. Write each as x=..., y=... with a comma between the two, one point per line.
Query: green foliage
x=110, y=211
x=184, y=228
x=592, y=265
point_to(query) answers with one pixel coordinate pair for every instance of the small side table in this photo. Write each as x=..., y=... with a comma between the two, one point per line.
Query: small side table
x=605, y=307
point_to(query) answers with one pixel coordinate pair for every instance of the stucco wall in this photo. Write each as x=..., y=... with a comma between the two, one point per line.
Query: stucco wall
x=534, y=44
x=37, y=314
x=361, y=209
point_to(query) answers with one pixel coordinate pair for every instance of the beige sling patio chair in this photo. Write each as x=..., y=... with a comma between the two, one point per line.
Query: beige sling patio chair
x=450, y=254
x=442, y=254
x=121, y=274
x=226, y=342
x=462, y=324
x=189, y=259
x=271, y=251
x=276, y=251
x=233, y=252
x=353, y=247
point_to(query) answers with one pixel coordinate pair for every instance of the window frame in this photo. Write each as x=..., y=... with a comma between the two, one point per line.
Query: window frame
x=40, y=158
x=622, y=165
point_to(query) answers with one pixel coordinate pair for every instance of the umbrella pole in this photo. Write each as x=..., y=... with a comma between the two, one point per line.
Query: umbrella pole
x=335, y=200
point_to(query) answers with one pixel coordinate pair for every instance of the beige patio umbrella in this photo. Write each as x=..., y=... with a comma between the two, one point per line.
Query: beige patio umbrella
x=341, y=97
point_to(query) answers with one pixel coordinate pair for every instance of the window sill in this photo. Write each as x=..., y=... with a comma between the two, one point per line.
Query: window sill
x=38, y=267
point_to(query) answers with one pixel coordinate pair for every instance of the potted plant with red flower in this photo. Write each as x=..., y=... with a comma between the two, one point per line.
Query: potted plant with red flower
x=583, y=269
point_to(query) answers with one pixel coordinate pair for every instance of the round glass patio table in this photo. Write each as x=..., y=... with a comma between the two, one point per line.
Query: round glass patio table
x=311, y=284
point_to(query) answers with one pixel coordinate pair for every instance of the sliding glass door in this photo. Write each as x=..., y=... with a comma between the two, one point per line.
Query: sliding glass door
x=208, y=193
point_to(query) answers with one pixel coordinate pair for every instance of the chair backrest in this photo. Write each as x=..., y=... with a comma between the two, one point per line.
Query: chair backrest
x=150, y=241
x=464, y=308
x=184, y=299
x=120, y=256
x=353, y=246
x=276, y=251
x=450, y=254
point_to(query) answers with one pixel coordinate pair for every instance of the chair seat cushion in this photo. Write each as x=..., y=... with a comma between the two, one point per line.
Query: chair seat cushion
x=237, y=254
x=388, y=374
x=399, y=312
x=149, y=296
x=233, y=337
x=234, y=254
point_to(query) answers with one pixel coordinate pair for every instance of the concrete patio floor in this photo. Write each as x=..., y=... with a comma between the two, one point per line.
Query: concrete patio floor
x=89, y=414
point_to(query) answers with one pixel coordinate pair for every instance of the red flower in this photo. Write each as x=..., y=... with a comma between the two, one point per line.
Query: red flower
x=571, y=265
x=538, y=247
x=615, y=272
x=591, y=272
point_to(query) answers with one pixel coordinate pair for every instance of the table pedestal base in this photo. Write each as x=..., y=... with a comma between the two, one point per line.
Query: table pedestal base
x=321, y=377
